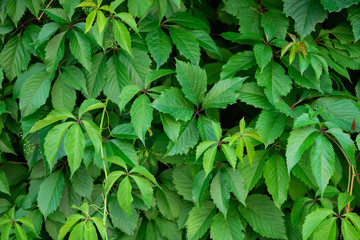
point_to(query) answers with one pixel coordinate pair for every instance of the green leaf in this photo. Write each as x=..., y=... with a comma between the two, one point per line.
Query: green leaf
x=82, y=183
x=186, y=43
x=127, y=93
x=277, y=179
x=15, y=9
x=209, y=158
x=124, y=195
x=14, y=57
x=299, y=140
x=251, y=173
x=69, y=6
x=200, y=185
x=205, y=41
x=353, y=13
x=252, y=94
x=80, y=48
x=313, y=220
x=337, y=5
x=270, y=125
x=223, y=93
x=129, y=20
x=122, y=36
x=306, y=14
x=263, y=216
x=111, y=179
x=275, y=81
x=54, y=52
x=53, y=116
x=141, y=113
x=95, y=80
x=340, y=111
x=88, y=105
x=4, y=185
x=187, y=20
x=263, y=55
x=120, y=219
x=53, y=140
x=348, y=230
x=220, y=193
x=144, y=172
x=354, y=218
x=305, y=120
x=5, y=232
x=238, y=62
x=20, y=232
x=168, y=229
x=322, y=161
x=193, y=81
x=199, y=220
x=74, y=77
x=138, y=8
x=159, y=45
x=117, y=78
x=90, y=20
x=50, y=193
x=343, y=199
x=227, y=228
x=171, y=126
x=100, y=20
x=230, y=154
x=126, y=152
x=156, y=74
x=173, y=102
x=235, y=183
x=62, y=96
x=28, y=223
x=57, y=14
x=169, y=203
x=94, y=134
x=145, y=189
x=74, y=147
x=90, y=231
x=46, y=32
x=183, y=181
x=275, y=24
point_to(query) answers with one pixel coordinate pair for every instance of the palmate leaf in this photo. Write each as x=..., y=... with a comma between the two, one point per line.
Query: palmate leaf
x=220, y=193
x=313, y=220
x=171, y=126
x=199, y=220
x=50, y=193
x=263, y=216
x=275, y=81
x=159, y=45
x=326, y=229
x=141, y=113
x=270, y=125
x=74, y=78
x=199, y=186
x=193, y=81
x=186, y=43
x=14, y=57
x=173, y=102
x=277, y=179
x=185, y=19
x=322, y=161
x=306, y=14
x=145, y=189
x=188, y=138
x=348, y=230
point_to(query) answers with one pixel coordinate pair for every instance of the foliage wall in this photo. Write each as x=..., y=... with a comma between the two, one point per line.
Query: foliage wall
x=179, y=119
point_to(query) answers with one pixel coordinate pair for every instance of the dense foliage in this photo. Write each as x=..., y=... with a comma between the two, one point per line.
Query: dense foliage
x=179, y=119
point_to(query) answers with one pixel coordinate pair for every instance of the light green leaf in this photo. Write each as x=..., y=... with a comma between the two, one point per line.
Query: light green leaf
x=122, y=36
x=230, y=154
x=354, y=218
x=277, y=179
x=100, y=20
x=28, y=223
x=80, y=48
x=199, y=220
x=141, y=113
x=111, y=179
x=74, y=147
x=326, y=229
x=138, y=8
x=223, y=93
x=322, y=161
x=54, y=52
x=127, y=93
x=126, y=152
x=200, y=185
x=169, y=203
x=128, y=19
x=15, y=9
x=159, y=45
x=53, y=116
x=94, y=134
x=270, y=125
x=62, y=96
x=171, y=126
x=348, y=230
x=20, y=232
x=227, y=228
x=186, y=43
x=74, y=77
x=90, y=231
x=5, y=232
x=343, y=199
x=263, y=216
x=235, y=183
x=53, y=140
x=156, y=74
x=124, y=195
x=263, y=55
x=88, y=105
x=337, y=5
x=173, y=102
x=50, y=193
x=306, y=13
x=275, y=81
x=313, y=220
x=14, y=57
x=90, y=20
x=299, y=140
x=238, y=62
x=220, y=193
x=209, y=158
x=144, y=172
x=305, y=120
x=205, y=41
x=145, y=189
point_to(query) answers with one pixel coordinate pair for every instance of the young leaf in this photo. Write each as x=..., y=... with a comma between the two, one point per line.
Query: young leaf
x=90, y=20
x=94, y=134
x=122, y=36
x=343, y=199
x=230, y=154
x=88, y=105
x=50, y=193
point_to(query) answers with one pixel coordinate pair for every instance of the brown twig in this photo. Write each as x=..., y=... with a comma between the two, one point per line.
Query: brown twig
x=45, y=8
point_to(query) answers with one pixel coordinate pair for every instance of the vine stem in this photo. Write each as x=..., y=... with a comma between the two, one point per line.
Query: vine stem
x=106, y=175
